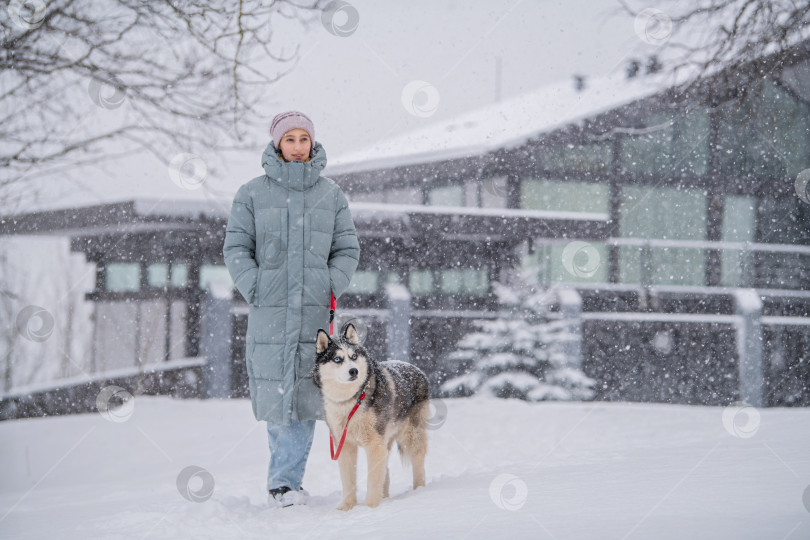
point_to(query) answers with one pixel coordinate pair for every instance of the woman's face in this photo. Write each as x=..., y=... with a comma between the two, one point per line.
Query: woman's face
x=295, y=145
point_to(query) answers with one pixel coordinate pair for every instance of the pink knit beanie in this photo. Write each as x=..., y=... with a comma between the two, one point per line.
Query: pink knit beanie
x=284, y=122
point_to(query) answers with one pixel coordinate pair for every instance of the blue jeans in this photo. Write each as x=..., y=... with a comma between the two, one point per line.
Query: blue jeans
x=289, y=450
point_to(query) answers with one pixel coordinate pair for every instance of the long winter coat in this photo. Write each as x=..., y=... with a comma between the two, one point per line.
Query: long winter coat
x=290, y=240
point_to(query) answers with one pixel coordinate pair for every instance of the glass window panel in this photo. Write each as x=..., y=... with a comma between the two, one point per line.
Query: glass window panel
x=420, y=282
x=467, y=281
x=363, y=282
x=739, y=214
x=494, y=191
x=179, y=274
x=408, y=195
x=368, y=196
x=214, y=272
x=578, y=157
x=446, y=196
x=691, y=143
x=581, y=262
x=665, y=213
x=767, y=135
x=652, y=151
x=451, y=281
x=157, y=274
x=564, y=196
x=122, y=277
x=471, y=193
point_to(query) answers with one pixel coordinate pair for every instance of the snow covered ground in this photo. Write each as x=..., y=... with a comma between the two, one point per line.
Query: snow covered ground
x=495, y=468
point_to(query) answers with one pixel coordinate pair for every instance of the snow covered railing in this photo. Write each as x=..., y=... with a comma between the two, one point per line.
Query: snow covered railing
x=110, y=374
x=181, y=378
x=709, y=244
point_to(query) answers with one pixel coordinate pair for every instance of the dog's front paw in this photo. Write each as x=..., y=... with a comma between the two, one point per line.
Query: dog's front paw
x=347, y=504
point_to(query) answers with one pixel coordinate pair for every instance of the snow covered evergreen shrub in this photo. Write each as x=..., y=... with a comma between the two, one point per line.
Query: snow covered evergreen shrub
x=519, y=355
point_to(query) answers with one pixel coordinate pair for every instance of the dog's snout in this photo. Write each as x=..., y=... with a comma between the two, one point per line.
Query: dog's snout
x=353, y=372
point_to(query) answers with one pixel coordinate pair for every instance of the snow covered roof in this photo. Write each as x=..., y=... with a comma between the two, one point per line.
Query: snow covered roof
x=136, y=215
x=506, y=124
x=152, y=214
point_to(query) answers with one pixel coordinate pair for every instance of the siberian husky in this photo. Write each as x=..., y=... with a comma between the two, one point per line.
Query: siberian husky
x=390, y=403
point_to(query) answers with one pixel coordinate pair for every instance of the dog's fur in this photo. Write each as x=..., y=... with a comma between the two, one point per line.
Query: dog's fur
x=396, y=408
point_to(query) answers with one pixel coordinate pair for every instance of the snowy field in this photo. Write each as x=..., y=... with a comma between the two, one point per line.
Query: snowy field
x=495, y=468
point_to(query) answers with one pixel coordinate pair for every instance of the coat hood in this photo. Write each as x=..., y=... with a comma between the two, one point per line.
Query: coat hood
x=296, y=175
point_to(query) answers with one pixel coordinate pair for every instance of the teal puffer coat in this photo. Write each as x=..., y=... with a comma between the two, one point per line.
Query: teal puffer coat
x=290, y=240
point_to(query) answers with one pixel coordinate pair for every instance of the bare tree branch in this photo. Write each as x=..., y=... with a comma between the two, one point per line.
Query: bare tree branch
x=743, y=39
x=170, y=75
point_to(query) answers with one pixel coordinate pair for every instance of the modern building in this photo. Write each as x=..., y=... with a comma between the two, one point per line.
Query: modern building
x=706, y=209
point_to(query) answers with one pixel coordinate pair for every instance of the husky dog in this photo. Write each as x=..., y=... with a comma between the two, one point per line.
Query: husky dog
x=395, y=408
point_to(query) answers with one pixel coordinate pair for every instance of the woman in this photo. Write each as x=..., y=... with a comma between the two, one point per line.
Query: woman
x=290, y=244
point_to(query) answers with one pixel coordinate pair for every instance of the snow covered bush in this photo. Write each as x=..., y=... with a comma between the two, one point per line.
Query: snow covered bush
x=518, y=355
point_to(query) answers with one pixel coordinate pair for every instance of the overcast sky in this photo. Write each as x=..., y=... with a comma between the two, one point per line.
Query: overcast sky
x=352, y=86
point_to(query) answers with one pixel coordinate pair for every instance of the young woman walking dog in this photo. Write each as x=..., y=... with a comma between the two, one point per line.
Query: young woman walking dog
x=290, y=247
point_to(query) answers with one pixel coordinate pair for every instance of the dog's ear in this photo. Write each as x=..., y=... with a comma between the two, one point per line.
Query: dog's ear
x=322, y=341
x=350, y=335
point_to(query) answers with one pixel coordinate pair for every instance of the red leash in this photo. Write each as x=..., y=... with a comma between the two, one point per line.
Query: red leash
x=340, y=446
x=332, y=306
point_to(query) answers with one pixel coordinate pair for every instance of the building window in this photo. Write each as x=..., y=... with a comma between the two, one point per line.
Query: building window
x=564, y=196
x=214, y=272
x=572, y=262
x=494, y=191
x=364, y=282
x=407, y=195
x=420, y=282
x=368, y=196
x=739, y=225
x=157, y=274
x=767, y=135
x=649, y=152
x=668, y=214
x=670, y=145
x=446, y=196
x=596, y=157
x=690, y=144
x=120, y=277
x=179, y=274
x=464, y=281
